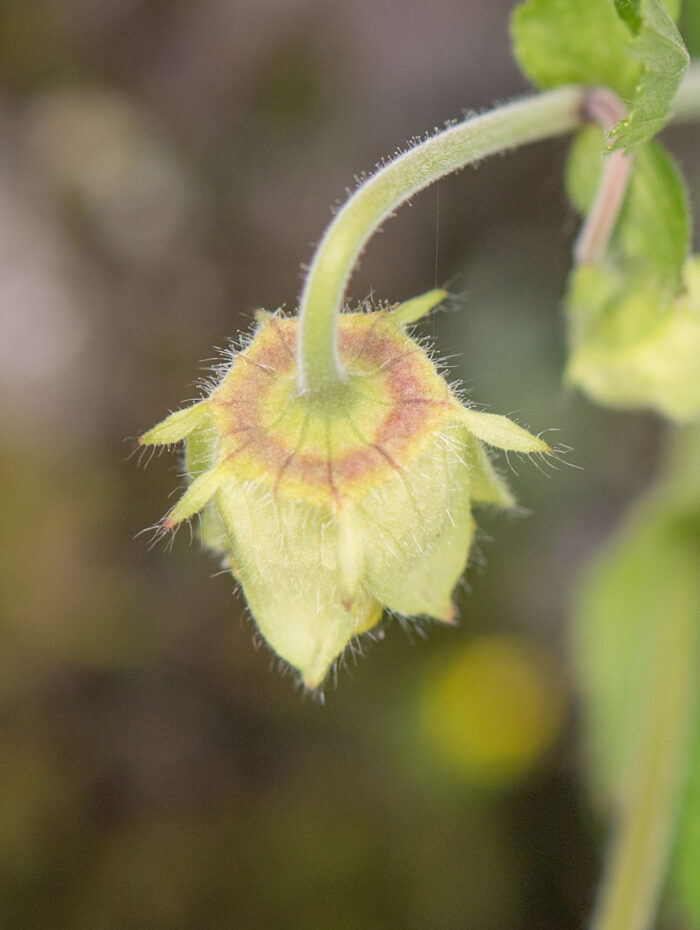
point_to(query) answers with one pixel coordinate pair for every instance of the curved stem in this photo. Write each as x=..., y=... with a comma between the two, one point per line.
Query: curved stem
x=534, y=118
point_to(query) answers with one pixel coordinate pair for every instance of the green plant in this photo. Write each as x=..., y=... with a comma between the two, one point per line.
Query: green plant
x=335, y=471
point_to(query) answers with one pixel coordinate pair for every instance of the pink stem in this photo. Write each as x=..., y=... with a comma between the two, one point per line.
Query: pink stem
x=602, y=106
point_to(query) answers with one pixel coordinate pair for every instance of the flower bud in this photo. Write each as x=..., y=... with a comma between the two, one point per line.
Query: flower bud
x=328, y=509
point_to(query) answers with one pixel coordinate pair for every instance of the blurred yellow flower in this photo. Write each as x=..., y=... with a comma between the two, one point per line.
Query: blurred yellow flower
x=492, y=709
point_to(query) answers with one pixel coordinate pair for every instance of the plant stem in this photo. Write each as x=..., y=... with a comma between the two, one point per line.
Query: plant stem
x=543, y=116
x=643, y=836
x=540, y=117
x=605, y=108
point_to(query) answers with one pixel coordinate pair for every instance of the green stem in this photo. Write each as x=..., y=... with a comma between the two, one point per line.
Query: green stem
x=534, y=118
x=643, y=837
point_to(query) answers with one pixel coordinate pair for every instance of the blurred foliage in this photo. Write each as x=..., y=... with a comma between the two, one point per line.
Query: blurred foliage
x=634, y=316
x=690, y=26
x=635, y=49
x=653, y=227
x=164, y=168
x=637, y=648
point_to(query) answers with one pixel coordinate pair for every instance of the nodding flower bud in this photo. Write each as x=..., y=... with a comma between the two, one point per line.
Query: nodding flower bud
x=328, y=509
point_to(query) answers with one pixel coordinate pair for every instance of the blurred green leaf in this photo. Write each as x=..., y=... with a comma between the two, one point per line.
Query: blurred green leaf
x=634, y=319
x=633, y=48
x=663, y=60
x=654, y=225
x=690, y=26
x=630, y=12
x=684, y=869
x=584, y=166
x=620, y=615
x=574, y=41
x=636, y=639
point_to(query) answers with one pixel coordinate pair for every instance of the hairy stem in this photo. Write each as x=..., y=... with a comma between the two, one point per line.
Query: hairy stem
x=543, y=116
x=529, y=120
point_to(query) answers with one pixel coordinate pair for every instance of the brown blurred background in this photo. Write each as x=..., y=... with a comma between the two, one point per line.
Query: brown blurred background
x=164, y=170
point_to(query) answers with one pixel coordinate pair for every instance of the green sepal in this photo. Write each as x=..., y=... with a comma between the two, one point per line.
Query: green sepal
x=350, y=555
x=501, y=432
x=410, y=311
x=198, y=494
x=285, y=555
x=176, y=426
x=201, y=450
x=418, y=529
x=486, y=486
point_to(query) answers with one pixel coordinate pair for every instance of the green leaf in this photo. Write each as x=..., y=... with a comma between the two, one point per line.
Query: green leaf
x=410, y=311
x=630, y=46
x=663, y=60
x=653, y=228
x=574, y=41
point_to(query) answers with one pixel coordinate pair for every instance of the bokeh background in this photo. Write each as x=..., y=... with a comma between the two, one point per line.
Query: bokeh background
x=165, y=168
